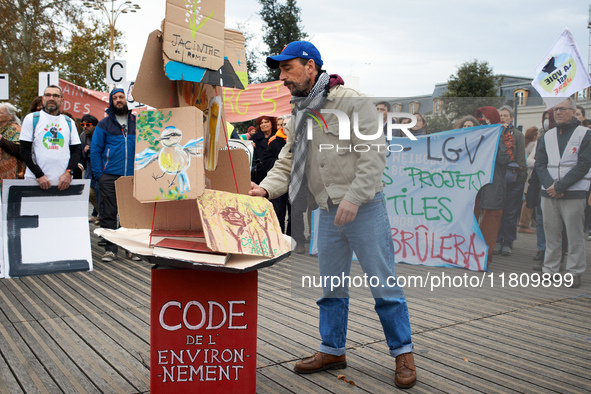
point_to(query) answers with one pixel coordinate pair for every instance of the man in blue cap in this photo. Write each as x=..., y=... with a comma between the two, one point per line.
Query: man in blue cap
x=111, y=155
x=345, y=177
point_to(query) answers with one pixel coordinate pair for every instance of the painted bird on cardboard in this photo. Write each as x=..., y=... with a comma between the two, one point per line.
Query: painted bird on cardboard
x=173, y=158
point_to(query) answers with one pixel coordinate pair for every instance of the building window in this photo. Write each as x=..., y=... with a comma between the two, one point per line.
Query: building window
x=413, y=107
x=397, y=108
x=583, y=94
x=437, y=104
x=521, y=96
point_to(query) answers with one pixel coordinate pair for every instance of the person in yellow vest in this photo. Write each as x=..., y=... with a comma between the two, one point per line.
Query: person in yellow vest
x=563, y=159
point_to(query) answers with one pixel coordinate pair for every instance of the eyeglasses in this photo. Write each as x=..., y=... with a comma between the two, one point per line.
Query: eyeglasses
x=84, y=124
x=561, y=109
x=49, y=95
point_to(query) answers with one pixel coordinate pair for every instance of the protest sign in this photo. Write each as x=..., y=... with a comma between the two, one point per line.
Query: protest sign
x=561, y=73
x=4, y=91
x=45, y=231
x=430, y=189
x=269, y=98
x=203, y=332
x=80, y=101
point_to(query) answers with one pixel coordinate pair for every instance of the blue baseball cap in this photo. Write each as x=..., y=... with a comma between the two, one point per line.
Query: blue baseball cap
x=303, y=49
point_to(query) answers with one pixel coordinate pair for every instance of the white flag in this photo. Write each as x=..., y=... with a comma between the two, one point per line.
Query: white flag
x=561, y=73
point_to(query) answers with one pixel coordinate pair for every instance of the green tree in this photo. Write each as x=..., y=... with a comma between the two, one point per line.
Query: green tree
x=473, y=86
x=84, y=59
x=437, y=123
x=37, y=35
x=282, y=27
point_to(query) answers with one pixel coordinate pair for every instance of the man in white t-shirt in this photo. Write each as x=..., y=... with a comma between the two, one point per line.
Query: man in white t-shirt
x=49, y=143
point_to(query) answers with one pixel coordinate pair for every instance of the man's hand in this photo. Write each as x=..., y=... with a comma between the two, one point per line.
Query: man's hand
x=256, y=190
x=65, y=180
x=553, y=193
x=44, y=182
x=86, y=148
x=345, y=213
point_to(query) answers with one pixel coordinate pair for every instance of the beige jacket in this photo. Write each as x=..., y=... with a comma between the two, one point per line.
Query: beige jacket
x=336, y=169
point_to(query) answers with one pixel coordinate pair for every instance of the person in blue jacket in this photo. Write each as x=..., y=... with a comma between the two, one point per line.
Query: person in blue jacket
x=111, y=156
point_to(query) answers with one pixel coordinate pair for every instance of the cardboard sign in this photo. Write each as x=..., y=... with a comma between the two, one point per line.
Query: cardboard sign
x=46, y=231
x=206, y=97
x=246, y=145
x=4, y=95
x=232, y=74
x=46, y=79
x=236, y=53
x=169, y=155
x=194, y=32
x=202, y=335
x=116, y=71
x=213, y=133
x=240, y=224
x=152, y=87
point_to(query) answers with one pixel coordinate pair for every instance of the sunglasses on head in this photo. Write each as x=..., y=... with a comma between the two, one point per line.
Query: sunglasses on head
x=83, y=124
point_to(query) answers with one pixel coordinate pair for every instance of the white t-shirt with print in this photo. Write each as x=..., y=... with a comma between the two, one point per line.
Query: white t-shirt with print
x=51, y=145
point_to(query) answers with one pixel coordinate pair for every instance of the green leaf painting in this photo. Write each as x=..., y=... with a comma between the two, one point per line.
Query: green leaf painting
x=149, y=125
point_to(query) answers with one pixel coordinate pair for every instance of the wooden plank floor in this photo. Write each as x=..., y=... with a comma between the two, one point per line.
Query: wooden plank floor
x=89, y=332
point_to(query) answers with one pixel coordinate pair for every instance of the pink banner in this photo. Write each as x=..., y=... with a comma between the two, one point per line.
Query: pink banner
x=80, y=101
x=269, y=98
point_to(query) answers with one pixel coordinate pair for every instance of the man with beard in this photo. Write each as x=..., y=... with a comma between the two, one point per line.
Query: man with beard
x=54, y=140
x=347, y=186
x=111, y=155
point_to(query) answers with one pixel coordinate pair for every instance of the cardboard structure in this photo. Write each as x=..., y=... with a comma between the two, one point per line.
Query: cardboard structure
x=186, y=178
x=152, y=87
x=250, y=251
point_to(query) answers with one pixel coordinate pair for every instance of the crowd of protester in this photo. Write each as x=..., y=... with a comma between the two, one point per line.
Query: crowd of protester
x=20, y=160
x=512, y=202
x=509, y=205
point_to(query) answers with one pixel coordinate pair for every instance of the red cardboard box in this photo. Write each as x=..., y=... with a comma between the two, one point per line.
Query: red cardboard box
x=202, y=335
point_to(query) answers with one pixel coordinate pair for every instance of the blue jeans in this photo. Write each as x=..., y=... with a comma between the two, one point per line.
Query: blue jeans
x=370, y=237
x=541, y=236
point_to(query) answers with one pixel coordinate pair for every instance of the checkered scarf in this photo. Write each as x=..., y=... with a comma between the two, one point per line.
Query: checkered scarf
x=315, y=100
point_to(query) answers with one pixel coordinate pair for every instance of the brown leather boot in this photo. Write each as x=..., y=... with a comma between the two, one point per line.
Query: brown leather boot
x=320, y=362
x=406, y=375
